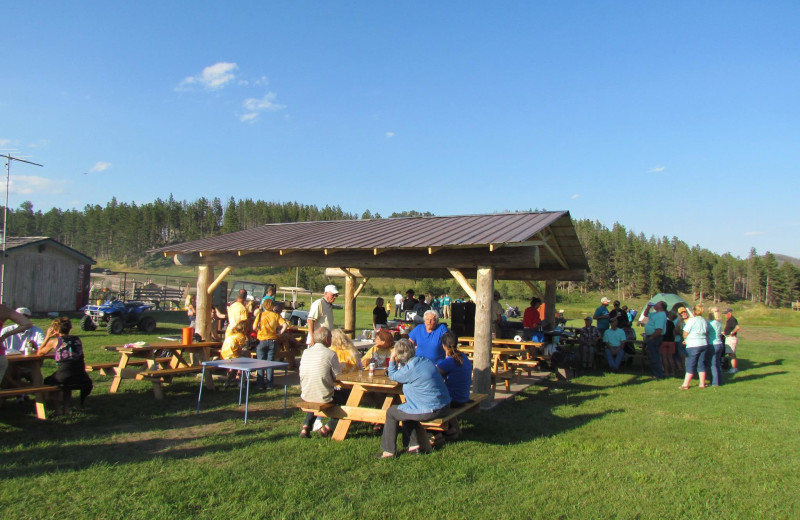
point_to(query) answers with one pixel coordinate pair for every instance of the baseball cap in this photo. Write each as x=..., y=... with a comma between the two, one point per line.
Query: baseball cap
x=605, y=300
x=587, y=318
x=331, y=289
x=727, y=310
x=25, y=311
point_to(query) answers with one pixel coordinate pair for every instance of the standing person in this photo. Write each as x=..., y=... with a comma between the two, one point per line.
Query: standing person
x=16, y=341
x=679, y=359
x=428, y=337
x=602, y=315
x=588, y=337
x=268, y=326
x=191, y=311
x=731, y=337
x=614, y=338
x=379, y=314
x=409, y=302
x=319, y=368
x=497, y=315
x=23, y=324
x=71, y=371
x=654, y=335
x=237, y=311
x=446, y=302
x=695, y=333
x=667, y=348
x=321, y=312
x=621, y=313
x=426, y=398
x=398, y=304
x=717, y=349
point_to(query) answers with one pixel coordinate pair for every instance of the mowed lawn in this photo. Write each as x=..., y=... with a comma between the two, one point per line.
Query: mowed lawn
x=599, y=446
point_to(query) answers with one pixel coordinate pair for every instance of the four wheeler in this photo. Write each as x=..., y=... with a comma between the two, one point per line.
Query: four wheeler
x=117, y=315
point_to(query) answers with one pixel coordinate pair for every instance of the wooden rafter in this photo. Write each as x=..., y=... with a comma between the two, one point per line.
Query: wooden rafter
x=553, y=248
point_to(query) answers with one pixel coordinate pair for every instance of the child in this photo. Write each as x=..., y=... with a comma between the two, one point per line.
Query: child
x=232, y=347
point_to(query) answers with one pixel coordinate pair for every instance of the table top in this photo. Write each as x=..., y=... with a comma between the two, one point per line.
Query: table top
x=500, y=351
x=18, y=358
x=362, y=377
x=244, y=363
x=171, y=345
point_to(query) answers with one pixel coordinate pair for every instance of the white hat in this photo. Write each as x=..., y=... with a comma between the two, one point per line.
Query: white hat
x=605, y=300
x=25, y=311
x=331, y=289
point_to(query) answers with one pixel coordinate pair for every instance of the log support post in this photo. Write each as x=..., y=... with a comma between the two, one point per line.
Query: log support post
x=202, y=324
x=482, y=362
x=350, y=305
x=550, y=302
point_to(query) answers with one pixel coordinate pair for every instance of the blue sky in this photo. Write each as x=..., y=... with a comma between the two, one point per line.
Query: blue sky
x=672, y=118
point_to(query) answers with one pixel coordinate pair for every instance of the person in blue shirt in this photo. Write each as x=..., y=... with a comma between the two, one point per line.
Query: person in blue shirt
x=654, y=335
x=428, y=337
x=602, y=316
x=426, y=396
x=456, y=369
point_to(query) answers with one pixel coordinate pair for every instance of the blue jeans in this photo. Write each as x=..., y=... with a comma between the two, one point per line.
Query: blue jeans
x=653, y=343
x=615, y=360
x=696, y=359
x=266, y=350
x=716, y=352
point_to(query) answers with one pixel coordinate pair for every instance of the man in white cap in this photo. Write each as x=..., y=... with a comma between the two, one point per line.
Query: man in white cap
x=602, y=316
x=321, y=312
x=19, y=340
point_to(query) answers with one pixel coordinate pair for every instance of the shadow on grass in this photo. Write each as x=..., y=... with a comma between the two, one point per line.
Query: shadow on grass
x=132, y=426
x=730, y=379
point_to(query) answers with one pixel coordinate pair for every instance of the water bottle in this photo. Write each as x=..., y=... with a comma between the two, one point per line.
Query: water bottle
x=371, y=369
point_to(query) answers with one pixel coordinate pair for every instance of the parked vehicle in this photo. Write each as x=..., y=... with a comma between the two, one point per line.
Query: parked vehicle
x=117, y=315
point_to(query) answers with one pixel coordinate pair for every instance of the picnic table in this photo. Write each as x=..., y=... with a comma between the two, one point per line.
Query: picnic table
x=13, y=387
x=361, y=385
x=244, y=366
x=501, y=359
x=161, y=370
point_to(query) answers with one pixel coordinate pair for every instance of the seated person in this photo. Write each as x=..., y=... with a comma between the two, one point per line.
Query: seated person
x=381, y=351
x=428, y=337
x=71, y=372
x=379, y=314
x=426, y=398
x=614, y=338
x=319, y=368
x=456, y=369
x=22, y=324
x=588, y=337
x=20, y=339
x=346, y=352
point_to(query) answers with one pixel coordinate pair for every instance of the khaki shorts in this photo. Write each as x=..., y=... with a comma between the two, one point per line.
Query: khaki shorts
x=730, y=344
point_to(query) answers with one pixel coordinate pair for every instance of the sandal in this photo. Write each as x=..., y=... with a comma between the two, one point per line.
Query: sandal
x=683, y=387
x=304, y=433
x=325, y=431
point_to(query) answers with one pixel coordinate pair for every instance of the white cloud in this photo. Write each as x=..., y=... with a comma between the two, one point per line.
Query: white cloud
x=575, y=196
x=100, y=166
x=753, y=233
x=265, y=103
x=41, y=143
x=389, y=135
x=27, y=184
x=256, y=106
x=212, y=77
x=7, y=142
x=657, y=169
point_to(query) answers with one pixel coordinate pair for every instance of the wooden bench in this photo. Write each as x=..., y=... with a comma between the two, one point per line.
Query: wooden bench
x=165, y=375
x=25, y=390
x=104, y=368
x=526, y=365
x=378, y=415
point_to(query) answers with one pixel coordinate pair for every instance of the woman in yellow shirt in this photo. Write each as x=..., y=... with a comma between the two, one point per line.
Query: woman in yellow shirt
x=268, y=325
x=345, y=350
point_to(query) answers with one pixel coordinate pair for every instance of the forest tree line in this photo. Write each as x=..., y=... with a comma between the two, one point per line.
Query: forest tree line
x=619, y=259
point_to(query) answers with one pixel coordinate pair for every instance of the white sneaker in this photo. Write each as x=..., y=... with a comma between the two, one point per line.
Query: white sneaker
x=732, y=371
x=317, y=424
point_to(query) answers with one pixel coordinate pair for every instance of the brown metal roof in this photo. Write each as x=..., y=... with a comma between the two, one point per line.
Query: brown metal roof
x=466, y=231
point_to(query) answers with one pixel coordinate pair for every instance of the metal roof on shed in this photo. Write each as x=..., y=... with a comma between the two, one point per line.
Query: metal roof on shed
x=465, y=231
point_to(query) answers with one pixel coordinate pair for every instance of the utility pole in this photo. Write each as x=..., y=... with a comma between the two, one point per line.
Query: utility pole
x=8, y=158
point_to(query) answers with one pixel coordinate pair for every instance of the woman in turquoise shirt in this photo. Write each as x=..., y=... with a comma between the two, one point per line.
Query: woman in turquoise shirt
x=695, y=334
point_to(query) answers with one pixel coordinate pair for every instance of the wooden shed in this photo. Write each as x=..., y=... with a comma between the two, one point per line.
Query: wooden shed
x=45, y=275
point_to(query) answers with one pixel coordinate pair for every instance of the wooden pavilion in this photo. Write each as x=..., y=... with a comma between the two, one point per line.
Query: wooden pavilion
x=541, y=246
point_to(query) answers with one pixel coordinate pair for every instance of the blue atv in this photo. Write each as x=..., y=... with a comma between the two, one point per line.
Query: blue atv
x=116, y=316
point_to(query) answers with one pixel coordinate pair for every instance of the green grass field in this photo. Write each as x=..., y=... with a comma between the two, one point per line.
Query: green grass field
x=599, y=446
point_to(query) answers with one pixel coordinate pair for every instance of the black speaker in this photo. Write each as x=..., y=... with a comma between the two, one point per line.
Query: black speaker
x=219, y=298
x=462, y=318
